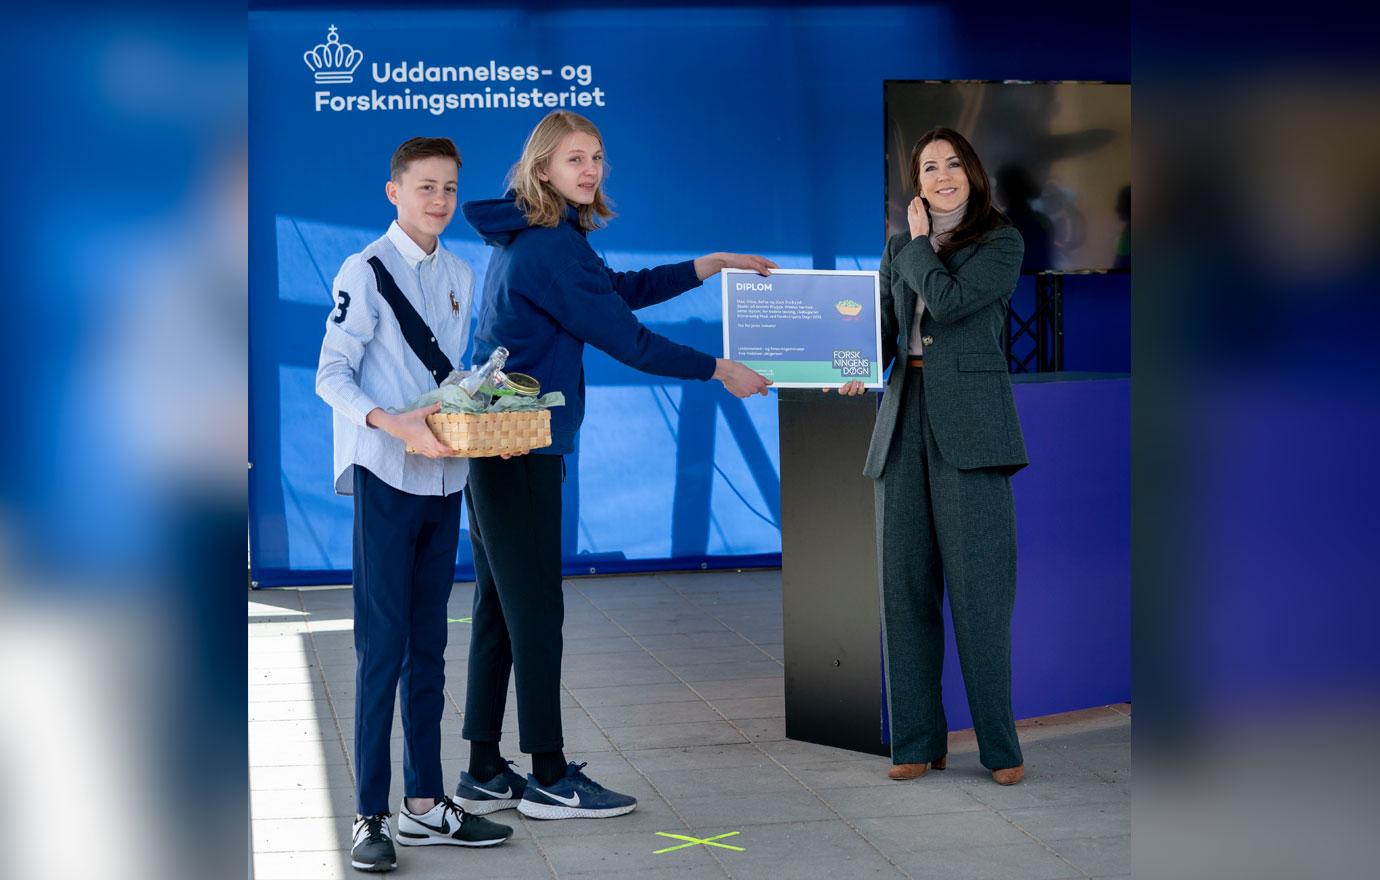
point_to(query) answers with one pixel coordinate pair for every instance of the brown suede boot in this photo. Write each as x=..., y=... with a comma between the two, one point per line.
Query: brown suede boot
x=1010, y=775
x=915, y=771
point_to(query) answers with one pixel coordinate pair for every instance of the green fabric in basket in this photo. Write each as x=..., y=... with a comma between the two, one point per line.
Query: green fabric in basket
x=452, y=400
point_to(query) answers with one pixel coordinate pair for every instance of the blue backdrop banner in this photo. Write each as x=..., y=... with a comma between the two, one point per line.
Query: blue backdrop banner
x=667, y=475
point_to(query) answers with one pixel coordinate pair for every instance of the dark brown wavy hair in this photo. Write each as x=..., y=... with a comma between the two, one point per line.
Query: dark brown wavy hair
x=982, y=216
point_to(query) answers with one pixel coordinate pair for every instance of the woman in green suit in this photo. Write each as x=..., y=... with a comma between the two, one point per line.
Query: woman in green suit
x=945, y=446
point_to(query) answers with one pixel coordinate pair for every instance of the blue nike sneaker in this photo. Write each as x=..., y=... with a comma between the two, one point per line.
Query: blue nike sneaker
x=500, y=793
x=575, y=796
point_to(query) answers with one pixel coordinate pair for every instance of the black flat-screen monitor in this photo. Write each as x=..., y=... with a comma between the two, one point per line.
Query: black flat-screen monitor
x=1057, y=156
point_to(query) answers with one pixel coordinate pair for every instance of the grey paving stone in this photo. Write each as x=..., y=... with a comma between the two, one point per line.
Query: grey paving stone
x=290, y=835
x=706, y=581
x=755, y=808
x=268, y=733
x=265, y=602
x=940, y=830
x=1110, y=761
x=601, y=629
x=1021, y=861
x=586, y=663
x=290, y=710
x=301, y=777
x=285, y=675
x=313, y=690
x=691, y=641
x=762, y=637
x=637, y=608
x=320, y=865
x=621, y=585
x=611, y=676
x=652, y=760
x=1097, y=857
x=762, y=729
x=339, y=673
x=794, y=753
x=619, y=644
x=864, y=865
x=1074, y=800
x=752, y=707
x=603, y=851
x=1108, y=819
x=859, y=773
x=679, y=624
x=897, y=799
x=704, y=654
x=717, y=672
x=298, y=658
x=824, y=849
x=631, y=695
x=297, y=753
x=695, y=869
x=276, y=629
x=302, y=803
x=771, y=685
x=657, y=736
x=760, y=776
x=775, y=649
x=332, y=655
x=654, y=713
x=737, y=601
x=332, y=598
x=518, y=859
x=1046, y=785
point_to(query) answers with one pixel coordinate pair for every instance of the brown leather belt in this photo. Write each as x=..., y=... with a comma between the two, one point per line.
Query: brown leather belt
x=916, y=362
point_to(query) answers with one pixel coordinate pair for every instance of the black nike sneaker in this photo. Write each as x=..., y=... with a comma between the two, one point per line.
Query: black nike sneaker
x=447, y=823
x=373, y=847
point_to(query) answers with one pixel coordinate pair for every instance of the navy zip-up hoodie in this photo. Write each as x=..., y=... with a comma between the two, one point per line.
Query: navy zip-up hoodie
x=547, y=293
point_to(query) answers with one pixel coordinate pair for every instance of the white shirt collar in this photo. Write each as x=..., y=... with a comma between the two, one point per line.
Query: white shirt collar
x=409, y=248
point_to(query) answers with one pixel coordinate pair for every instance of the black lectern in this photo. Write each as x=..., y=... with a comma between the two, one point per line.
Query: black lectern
x=829, y=588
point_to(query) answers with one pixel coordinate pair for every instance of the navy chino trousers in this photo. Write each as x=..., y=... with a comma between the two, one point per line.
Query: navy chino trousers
x=404, y=568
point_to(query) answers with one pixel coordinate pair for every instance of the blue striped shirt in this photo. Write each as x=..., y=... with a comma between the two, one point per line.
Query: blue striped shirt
x=366, y=362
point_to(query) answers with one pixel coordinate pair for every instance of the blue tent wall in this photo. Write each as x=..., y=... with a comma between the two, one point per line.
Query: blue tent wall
x=741, y=128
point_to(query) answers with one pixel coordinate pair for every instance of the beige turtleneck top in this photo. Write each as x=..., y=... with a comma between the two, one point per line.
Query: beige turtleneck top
x=942, y=226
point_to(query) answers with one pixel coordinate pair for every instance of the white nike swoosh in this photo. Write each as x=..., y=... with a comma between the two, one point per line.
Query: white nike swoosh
x=506, y=792
x=569, y=802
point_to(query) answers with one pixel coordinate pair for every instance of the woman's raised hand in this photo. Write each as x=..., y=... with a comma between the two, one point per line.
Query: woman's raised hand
x=918, y=218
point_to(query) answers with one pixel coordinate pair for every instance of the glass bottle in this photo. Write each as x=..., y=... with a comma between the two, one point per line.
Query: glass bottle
x=481, y=384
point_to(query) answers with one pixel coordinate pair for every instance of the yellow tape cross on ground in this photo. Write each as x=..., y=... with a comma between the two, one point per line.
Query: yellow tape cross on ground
x=457, y=620
x=695, y=841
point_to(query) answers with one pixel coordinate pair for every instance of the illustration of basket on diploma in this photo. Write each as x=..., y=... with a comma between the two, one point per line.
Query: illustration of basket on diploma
x=848, y=308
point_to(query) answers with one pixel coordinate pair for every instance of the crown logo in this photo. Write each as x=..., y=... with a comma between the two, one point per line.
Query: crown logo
x=333, y=61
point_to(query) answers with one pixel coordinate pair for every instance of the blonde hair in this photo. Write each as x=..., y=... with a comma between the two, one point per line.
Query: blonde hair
x=538, y=199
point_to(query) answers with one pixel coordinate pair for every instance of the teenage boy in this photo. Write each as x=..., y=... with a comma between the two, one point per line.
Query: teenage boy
x=400, y=321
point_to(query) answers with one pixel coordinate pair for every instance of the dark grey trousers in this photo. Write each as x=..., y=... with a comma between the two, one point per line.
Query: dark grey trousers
x=937, y=526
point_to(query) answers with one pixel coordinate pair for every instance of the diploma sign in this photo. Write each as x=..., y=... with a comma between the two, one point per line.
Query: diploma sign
x=805, y=328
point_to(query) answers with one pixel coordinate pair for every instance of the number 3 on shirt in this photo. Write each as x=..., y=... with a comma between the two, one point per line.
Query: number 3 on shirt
x=344, y=307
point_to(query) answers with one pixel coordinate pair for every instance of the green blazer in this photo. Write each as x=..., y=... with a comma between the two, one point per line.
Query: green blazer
x=967, y=384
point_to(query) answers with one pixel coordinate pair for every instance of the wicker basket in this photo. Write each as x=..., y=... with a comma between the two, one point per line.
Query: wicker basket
x=477, y=435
